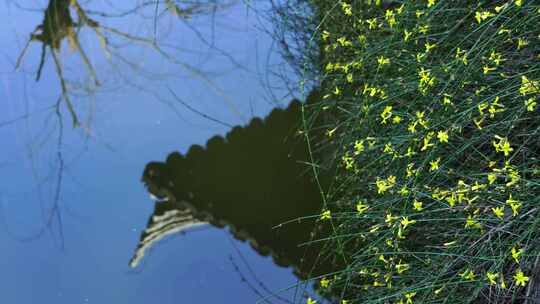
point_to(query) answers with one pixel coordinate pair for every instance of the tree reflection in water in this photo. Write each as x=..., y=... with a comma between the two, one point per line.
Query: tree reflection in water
x=71, y=22
x=65, y=19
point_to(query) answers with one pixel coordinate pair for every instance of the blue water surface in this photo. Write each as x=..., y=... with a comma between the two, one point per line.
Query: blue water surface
x=72, y=204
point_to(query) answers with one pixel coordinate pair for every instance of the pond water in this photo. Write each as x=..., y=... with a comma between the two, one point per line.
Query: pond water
x=119, y=209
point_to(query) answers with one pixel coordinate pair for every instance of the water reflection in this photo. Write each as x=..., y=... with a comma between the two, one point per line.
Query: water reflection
x=252, y=181
x=79, y=188
x=65, y=21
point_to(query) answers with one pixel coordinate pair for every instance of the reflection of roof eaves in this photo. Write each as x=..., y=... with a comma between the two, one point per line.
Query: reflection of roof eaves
x=160, y=226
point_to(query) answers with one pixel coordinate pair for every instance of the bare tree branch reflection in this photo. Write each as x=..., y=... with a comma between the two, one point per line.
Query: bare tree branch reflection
x=254, y=277
x=206, y=116
x=60, y=23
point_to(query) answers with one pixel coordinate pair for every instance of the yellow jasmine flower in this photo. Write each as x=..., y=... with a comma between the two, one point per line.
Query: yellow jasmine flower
x=516, y=253
x=382, y=186
x=429, y=46
x=406, y=222
x=311, y=301
x=412, y=127
x=481, y=16
x=498, y=211
x=498, y=9
x=468, y=275
x=434, y=164
x=383, y=61
x=326, y=215
x=410, y=170
x=399, y=10
x=451, y=200
x=518, y=3
x=390, y=218
x=447, y=100
x=495, y=107
x=424, y=29
x=346, y=9
x=329, y=67
x=492, y=177
x=462, y=55
x=520, y=278
x=388, y=148
x=404, y=191
x=478, y=122
x=478, y=186
x=386, y=114
x=522, y=43
x=391, y=18
x=528, y=86
x=427, y=143
x=361, y=207
x=358, y=147
x=417, y=205
x=409, y=297
x=481, y=107
x=443, y=136
x=362, y=39
x=486, y=69
x=324, y=35
x=401, y=267
x=426, y=80
x=503, y=31
x=371, y=142
x=496, y=57
x=382, y=94
x=514, y=179
x=492, y=277
x=372, y=23
x=472, y=223
x=407, y=35
x=348, y=161
x=515, y=205
x=430, y=3
x=330, y=133
x=324, y=282
x=530, y=104
x=503, y=283
x=503, y=145
x=396, y=119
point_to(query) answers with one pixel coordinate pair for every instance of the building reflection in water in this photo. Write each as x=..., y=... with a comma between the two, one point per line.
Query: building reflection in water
x=255, y=181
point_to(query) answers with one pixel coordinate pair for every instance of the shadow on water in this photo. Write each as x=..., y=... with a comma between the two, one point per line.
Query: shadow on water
x=255, y=181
